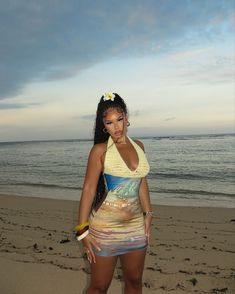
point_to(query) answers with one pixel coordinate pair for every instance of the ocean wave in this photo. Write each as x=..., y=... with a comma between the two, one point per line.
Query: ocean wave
x=42, y=185
x=219, y=176
x=191, y=192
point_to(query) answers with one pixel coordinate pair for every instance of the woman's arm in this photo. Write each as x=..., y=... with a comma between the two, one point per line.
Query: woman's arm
x=144, y=189
x=144, y=195
x=94, y=168
x=146, y=206
x=145, y=200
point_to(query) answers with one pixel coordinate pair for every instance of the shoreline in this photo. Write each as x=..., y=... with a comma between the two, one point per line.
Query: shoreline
x=191, y=249
x=176, y=202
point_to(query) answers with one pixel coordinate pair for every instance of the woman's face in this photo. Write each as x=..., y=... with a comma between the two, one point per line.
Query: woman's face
x=115, y=122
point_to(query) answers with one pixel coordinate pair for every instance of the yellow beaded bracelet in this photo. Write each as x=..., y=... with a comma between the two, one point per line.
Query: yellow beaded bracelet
x=81, y=226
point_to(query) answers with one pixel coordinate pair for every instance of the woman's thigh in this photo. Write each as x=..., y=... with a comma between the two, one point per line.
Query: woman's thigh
x=133, y=264
x=102, y=271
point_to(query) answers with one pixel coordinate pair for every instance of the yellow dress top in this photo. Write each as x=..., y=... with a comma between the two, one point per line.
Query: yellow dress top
x=116, y=166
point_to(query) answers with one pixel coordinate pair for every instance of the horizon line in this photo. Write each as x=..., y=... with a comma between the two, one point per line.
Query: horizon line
x=141, y=137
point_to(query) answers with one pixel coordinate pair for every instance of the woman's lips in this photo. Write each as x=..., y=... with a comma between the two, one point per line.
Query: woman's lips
x=118, y=133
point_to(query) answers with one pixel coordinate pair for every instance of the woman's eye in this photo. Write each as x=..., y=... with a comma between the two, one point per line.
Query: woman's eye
x=108, y=123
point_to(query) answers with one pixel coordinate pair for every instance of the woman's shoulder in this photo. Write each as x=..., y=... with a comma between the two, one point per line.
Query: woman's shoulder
x=98, y=151
x=99, y=148
x=138, y=142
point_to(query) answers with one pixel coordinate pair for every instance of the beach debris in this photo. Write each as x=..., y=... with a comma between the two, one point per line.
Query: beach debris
x=35, y=246
x=119, y=277
x=180, y=286
x=86, y=270
x=193, y=281
x=65, y=240
x=215, y=273
x=152, y=253
x=147, y=285
x=200, y=273
x=150, y=268
x=217, y=290
x=185, y=272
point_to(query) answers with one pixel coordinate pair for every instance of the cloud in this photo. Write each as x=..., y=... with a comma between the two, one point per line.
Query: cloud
x=135, y=113
x=215, y=70
x=88, y=117
x=142, y=16
x=4, y=106
x=189, y=54
x=48, y=40
x=170, y=118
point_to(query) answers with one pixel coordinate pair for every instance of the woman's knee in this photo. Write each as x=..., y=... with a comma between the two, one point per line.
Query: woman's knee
x=100, y=288
x=133, y=282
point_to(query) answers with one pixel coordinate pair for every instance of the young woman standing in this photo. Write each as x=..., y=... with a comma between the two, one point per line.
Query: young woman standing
x=115, y=212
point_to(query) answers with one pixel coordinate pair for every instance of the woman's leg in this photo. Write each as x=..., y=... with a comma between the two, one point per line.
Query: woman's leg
x=132, y=267
x=101, y=274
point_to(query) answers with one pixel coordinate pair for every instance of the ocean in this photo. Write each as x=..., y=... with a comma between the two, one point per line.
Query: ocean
x=190, y=170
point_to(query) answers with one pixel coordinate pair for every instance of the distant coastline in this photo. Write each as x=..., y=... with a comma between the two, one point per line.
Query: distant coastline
x=140, y=137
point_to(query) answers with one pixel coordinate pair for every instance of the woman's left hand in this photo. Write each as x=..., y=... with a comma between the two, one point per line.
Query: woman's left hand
x=147, y=223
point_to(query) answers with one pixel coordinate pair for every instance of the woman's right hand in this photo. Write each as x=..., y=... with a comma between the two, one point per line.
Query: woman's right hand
x=88, y=244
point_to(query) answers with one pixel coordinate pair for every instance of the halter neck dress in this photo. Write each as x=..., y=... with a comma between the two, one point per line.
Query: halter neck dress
x=118, y=224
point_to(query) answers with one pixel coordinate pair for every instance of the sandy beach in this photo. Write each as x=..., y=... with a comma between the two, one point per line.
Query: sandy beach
x=192, y=249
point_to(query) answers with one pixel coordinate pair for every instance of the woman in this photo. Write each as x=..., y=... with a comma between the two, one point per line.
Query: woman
x=115, y=212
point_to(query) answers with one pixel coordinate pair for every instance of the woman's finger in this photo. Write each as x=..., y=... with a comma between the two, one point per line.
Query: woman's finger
x=92, y=255
x=89, y=243
x=88, y=257
x=95, y=245
x=88, y=253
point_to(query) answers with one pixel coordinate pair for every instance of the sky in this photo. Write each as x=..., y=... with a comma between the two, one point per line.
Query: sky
x=171, y=61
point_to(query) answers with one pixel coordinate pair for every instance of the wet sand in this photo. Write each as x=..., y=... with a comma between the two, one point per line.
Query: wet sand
x=192, y=249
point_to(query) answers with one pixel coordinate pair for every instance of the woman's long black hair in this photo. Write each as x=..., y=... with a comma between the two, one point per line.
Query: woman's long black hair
x=100, y=137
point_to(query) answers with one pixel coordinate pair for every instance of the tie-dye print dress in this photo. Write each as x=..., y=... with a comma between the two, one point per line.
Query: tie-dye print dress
x=118, y=225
